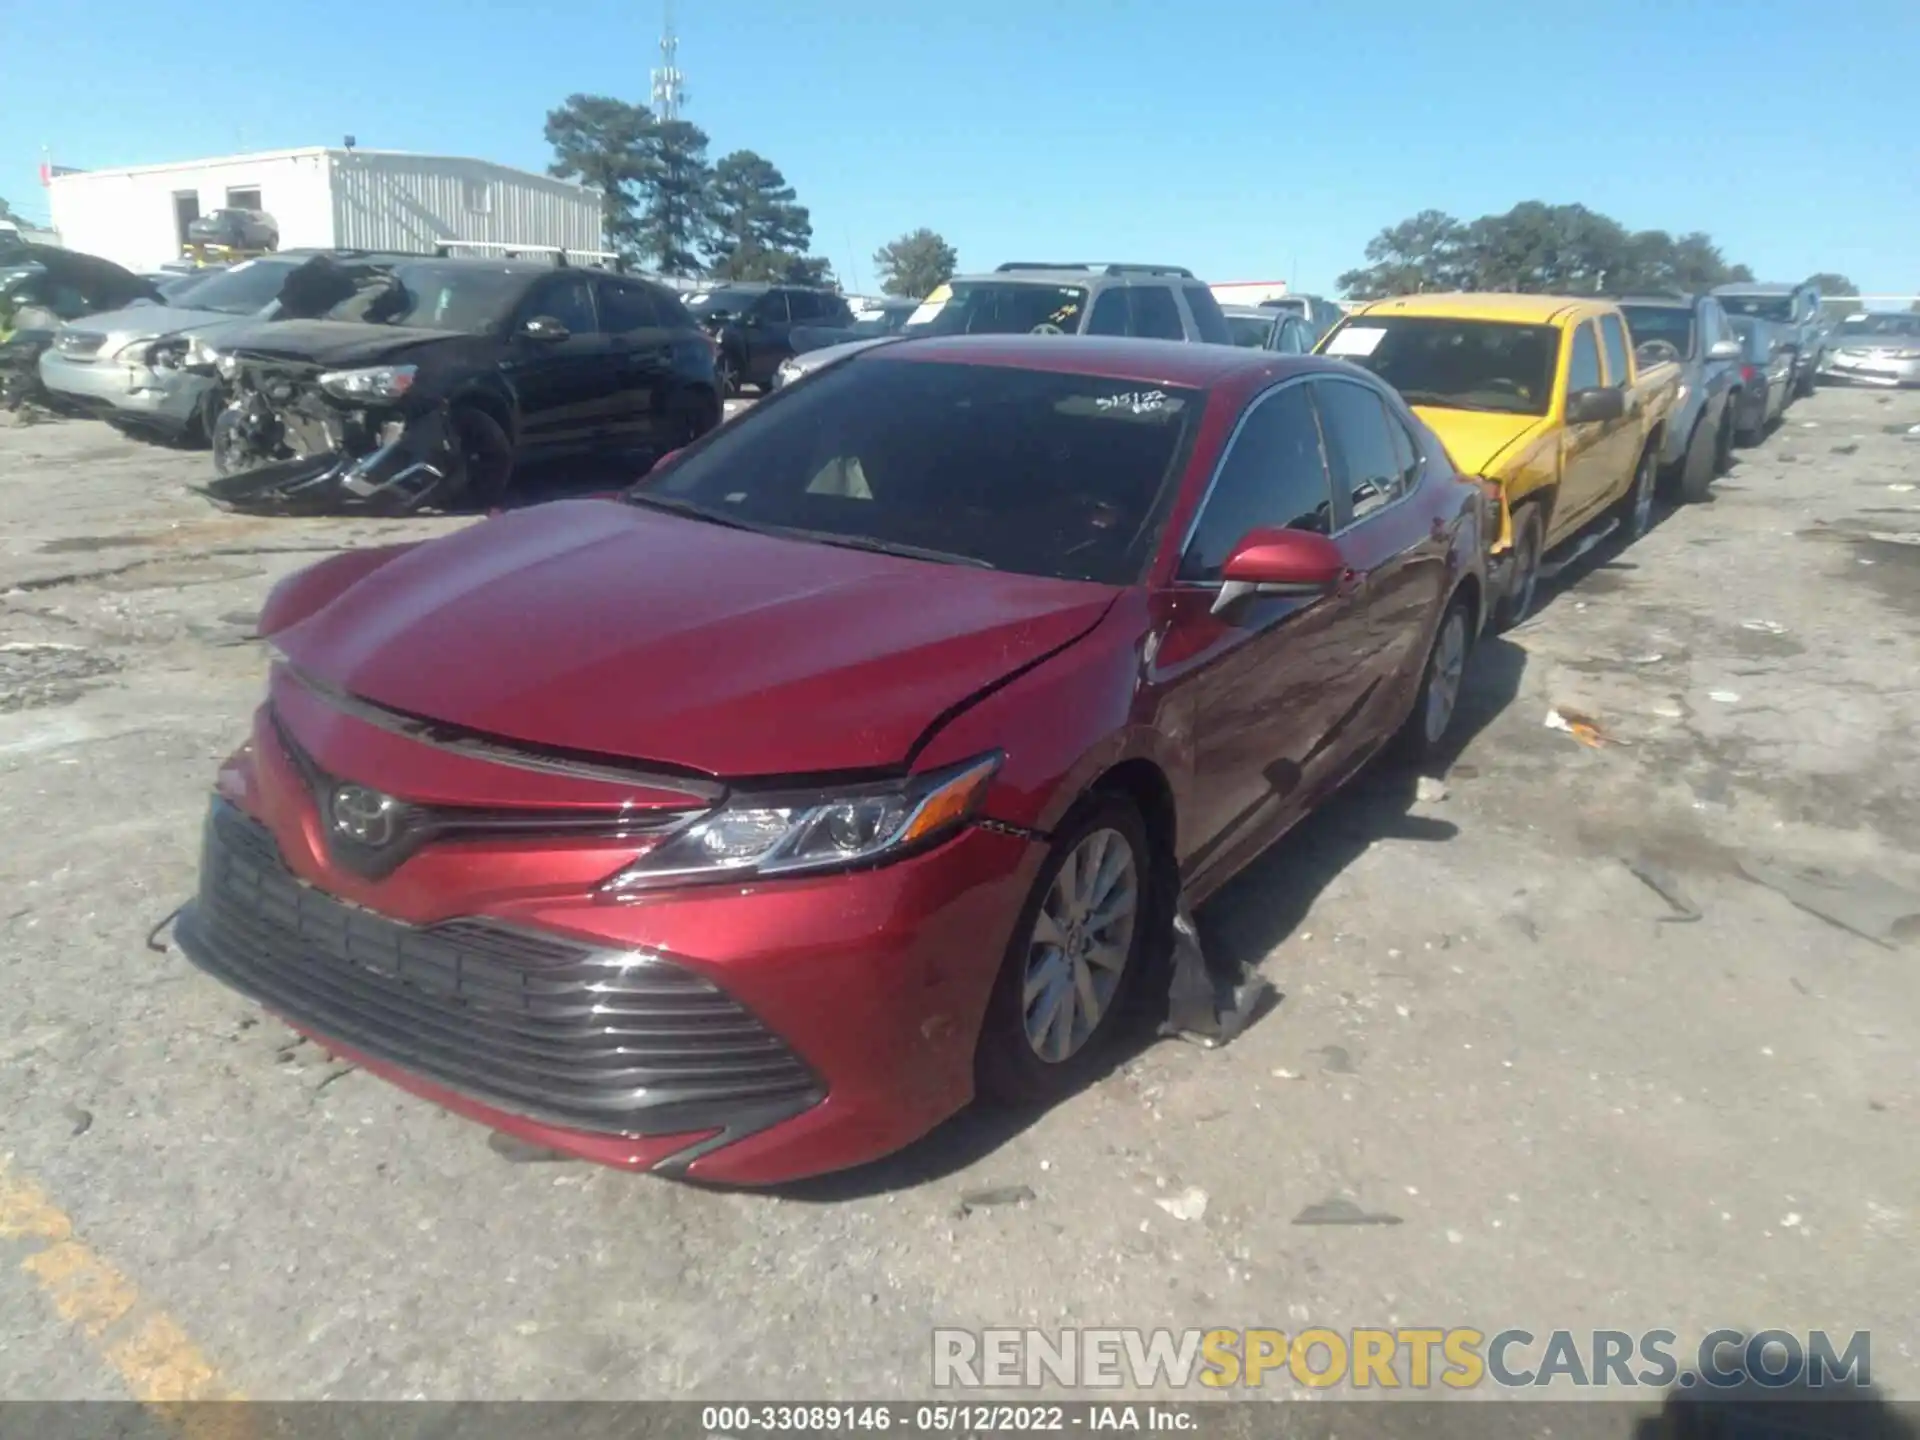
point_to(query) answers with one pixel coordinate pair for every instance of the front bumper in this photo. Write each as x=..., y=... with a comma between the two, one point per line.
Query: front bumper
x=1869, y=369
x=744, y=1034
x=163, y=399
x=417, y=469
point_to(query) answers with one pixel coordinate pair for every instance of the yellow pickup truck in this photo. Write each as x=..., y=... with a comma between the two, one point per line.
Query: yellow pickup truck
x=1541, y=394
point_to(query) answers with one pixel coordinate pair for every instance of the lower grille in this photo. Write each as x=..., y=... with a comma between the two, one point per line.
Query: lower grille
x=611, y=1041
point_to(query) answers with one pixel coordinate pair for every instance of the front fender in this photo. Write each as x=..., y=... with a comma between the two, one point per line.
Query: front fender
x=1065, y=723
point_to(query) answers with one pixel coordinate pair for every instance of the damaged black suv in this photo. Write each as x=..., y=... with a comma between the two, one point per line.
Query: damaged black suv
x=424, y=382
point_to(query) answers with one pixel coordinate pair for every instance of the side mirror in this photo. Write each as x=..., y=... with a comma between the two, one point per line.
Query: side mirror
x=1724, y=350
x=1279, y=562
x=546, y=329
x=1595, y=406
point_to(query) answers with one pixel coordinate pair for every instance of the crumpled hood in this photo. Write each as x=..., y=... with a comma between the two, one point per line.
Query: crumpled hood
x=332, y=342
x=1476, y=439
x=605, y=628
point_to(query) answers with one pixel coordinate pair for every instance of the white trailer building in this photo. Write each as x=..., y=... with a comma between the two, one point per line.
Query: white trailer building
x=364, y=199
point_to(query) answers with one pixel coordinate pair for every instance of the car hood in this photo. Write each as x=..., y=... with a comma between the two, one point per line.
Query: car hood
x=1476, y=439
x=1873, y=342
x=604, y=628
x=332, y=342
x=154, y=322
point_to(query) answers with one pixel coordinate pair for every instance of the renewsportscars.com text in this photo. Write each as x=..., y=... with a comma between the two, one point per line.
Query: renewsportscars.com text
x=1401, y=1357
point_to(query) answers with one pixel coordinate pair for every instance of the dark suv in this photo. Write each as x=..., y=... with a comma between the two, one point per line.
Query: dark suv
x=752, y=326
x=424, y=380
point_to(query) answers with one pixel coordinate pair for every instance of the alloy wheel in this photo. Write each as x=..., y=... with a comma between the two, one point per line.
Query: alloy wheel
x=1081, y=939
x=1445, y=670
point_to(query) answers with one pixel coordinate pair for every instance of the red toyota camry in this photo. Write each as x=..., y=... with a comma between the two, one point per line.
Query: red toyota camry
x=746, y=825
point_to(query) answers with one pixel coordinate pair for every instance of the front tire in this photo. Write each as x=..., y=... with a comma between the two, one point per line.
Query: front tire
x=231, y=454
x=485, y=456
x=1751, y=435
x=1077, y=953
x=1522, y=590
x=1702, y=460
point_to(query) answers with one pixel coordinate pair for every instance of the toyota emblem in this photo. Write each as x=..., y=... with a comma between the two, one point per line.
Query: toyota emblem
x=366, y=817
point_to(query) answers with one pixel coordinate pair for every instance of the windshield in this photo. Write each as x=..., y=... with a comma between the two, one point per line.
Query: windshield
x=1455, y=364
x=996, y=307
x=1671, y=323
x=1778, y=308
x=246, y=289
x=437, y=295
x=1022, y=470
x=1250, y=331
x=1870, y=327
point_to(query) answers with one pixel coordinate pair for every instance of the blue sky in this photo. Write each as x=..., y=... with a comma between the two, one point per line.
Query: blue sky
x=1247, y=139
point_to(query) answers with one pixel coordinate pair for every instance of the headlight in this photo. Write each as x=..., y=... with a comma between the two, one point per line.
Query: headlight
x=757, y=835
x=135, y=352
x=379, y=382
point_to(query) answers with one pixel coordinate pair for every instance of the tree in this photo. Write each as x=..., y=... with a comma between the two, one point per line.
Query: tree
x=676, y=223
x=601, y=141
x=1421, y=253
x=1832, y=286
x=915, y=263
x=759, y=229
x=1537, y=247
x=808, y=270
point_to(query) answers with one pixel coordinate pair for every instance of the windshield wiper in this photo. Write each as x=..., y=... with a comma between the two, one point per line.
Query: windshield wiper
x=886, y=547
x=673, y=505
x=1454, y=402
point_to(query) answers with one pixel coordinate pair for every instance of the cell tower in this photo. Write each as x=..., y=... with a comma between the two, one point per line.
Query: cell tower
x=668, y=92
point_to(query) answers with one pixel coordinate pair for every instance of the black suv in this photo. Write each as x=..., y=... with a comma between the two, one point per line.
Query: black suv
x=421, y=380
x=752, y=324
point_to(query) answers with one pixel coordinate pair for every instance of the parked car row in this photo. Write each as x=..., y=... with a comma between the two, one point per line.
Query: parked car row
x=346, y=380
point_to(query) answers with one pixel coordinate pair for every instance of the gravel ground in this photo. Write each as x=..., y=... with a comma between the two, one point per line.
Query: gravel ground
x=1580, y=1112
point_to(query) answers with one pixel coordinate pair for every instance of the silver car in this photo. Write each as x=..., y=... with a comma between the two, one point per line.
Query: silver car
x=1875, y=349
x=125, y=364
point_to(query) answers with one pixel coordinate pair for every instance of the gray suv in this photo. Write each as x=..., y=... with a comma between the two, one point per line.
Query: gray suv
x=1796, y=309
x=1154, y=302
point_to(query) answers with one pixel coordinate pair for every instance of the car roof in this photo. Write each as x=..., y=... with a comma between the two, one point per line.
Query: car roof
x=1258, y=312
x=1463, y=305
x=1164, y=362
x=1077, y=276
x=1750, y=287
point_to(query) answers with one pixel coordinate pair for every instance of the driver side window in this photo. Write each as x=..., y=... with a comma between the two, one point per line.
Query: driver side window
x=1583, y=365
x=568, y=299
x=1274, y=475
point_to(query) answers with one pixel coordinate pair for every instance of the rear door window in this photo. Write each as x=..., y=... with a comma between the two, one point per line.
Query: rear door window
x=1109, y=313
x=1209, y=321
x=803, y=306
x=1155, y=316
x=1613, y=335
x=1274, y=476
x=1366, y=466
x=772, y=308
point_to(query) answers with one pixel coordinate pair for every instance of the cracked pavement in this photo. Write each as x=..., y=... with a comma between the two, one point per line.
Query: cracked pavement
x=1581, y=1110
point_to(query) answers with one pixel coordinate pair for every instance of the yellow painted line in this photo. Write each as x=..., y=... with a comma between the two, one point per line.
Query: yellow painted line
x=154, y=1357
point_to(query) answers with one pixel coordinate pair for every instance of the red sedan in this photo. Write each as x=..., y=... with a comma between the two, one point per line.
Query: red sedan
x=745, y=825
